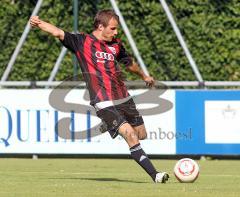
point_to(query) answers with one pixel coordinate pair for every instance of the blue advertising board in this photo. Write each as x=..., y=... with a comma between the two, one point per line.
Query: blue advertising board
x=212, y=119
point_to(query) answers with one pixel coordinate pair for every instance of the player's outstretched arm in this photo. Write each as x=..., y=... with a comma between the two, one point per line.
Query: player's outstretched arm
x=47, y=27
x=134, y=68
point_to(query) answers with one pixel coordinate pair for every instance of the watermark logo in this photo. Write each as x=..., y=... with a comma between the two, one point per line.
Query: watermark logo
x=57, y=101
x=171, y=135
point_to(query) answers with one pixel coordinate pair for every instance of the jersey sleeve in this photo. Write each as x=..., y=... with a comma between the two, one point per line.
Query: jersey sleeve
x=124, y=57
x=72, y=41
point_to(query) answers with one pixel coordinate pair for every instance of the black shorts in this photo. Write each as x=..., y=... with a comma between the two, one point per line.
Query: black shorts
x=114, y=116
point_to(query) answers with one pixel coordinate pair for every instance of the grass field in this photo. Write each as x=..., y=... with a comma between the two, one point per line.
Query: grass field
x=111, y=177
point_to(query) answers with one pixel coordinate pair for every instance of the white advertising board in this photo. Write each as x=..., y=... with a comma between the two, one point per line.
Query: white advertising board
x=222, y=122
x=27, y=125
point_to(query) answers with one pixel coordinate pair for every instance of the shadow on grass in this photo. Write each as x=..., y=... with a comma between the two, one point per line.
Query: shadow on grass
x=111, y=179
x=101, y=179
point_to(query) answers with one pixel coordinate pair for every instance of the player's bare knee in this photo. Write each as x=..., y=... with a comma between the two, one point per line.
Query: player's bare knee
x=141, y=132
x=143, y=136
x=130, y=136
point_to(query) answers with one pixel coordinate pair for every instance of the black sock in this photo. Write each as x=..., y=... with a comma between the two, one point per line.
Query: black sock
x=141, y=158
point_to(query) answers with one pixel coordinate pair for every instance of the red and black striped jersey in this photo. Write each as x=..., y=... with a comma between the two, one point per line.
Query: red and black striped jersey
x=99, y=62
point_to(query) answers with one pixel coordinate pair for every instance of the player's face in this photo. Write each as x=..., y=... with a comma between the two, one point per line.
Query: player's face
x=110, y=30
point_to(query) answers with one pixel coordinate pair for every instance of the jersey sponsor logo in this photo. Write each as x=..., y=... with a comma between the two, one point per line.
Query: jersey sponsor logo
x=113, y=50
x=101, y=61
x=104, y=56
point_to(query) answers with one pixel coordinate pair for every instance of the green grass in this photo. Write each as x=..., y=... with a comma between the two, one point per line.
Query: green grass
x=111, y=177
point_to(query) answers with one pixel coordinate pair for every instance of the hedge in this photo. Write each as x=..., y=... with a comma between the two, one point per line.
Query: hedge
x=211, y=29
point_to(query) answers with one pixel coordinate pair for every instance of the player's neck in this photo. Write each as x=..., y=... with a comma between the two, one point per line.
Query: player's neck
x=98, y=35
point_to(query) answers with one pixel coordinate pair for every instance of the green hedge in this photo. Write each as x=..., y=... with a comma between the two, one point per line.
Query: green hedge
x=211, y=29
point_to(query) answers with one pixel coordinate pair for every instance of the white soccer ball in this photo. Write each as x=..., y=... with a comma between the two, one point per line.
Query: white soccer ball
x=186, y=170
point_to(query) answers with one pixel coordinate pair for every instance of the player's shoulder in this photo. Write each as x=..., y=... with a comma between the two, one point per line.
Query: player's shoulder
x=74, y=35
x=81, y=34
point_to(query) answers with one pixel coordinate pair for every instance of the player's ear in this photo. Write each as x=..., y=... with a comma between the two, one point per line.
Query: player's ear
x=100, y=27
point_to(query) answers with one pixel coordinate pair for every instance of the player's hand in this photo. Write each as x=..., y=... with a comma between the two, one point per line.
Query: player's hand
x=149, y=81
x=35, y=21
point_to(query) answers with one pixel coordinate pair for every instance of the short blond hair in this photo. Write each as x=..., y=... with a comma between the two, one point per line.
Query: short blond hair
x=103, y=17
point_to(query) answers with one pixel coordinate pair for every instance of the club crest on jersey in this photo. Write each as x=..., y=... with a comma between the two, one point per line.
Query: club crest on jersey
x=113, y=50
x=101, y=56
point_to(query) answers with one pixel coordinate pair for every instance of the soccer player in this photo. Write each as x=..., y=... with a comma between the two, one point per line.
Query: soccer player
x=99, y=55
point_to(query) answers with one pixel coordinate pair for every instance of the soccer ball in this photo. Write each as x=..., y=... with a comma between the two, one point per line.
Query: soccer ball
x=186, y=170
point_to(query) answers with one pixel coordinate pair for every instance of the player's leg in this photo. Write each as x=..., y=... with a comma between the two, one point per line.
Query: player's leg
x=134, y=119
x=117, y=124
x=138, y=154
x=140, y=131
x=128, y=133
